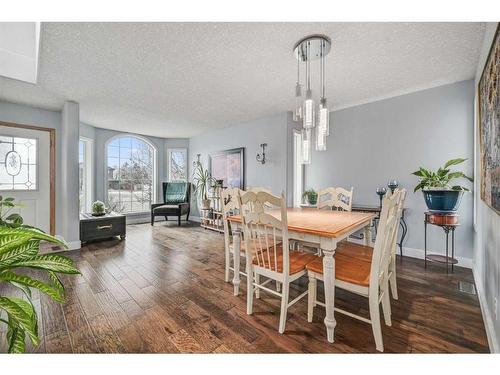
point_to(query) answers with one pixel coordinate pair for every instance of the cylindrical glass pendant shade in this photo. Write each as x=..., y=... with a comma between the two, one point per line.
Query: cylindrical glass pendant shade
x=306, y=146
x=308, y=111
x=320, y=139
x=297, y=112
x=324, y=117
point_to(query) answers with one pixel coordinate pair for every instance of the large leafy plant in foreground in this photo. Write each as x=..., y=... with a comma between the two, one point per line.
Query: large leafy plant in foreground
x=19, y=249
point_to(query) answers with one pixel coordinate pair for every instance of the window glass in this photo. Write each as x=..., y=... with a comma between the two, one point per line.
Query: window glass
x=177, y=164
x=18, y=163
x=130, y=175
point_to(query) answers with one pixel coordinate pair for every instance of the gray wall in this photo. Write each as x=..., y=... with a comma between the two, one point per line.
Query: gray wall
x=270, y=130
x=487, y=236
x=374, y=143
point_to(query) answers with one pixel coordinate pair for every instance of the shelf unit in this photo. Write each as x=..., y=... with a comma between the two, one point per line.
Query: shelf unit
x=211, y=218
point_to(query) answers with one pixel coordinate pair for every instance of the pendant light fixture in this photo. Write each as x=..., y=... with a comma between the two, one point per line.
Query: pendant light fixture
x=313, y=47
x=309, y=115
x=297, y=113
x=306, y=146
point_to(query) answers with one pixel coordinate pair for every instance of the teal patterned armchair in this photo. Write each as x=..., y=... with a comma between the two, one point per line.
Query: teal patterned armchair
x=176, y=196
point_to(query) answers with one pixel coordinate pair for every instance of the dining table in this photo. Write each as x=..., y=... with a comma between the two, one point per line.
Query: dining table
x=323, y=227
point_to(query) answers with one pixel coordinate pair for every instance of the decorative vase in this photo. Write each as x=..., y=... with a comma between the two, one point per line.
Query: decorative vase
x=205, y=204
x=442, y=201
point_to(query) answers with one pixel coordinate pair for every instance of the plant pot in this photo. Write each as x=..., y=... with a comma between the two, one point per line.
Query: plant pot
x=443, y=201
x=205, y=204
x=312, y=200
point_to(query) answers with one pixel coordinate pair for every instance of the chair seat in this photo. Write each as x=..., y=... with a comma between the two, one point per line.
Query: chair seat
x=355, y=250
x=166, y=208
x=298, y=261
x=349, y=269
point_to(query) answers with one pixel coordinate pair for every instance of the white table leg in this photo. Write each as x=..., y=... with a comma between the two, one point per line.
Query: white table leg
x=329, y=281
x=236, y=259
x=368, y=234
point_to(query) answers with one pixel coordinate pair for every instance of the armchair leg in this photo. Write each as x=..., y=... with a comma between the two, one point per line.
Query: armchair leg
x=152, y=219
x=179, y=220
x=187, y=217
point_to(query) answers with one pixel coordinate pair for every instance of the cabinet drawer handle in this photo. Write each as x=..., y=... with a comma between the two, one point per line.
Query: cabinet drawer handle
x=103, y=227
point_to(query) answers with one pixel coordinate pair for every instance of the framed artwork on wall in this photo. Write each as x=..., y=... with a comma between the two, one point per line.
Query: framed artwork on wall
x=229, y=166
x=489, y=127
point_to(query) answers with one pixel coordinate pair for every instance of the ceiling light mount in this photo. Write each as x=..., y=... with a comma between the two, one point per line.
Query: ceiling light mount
x=316, y=43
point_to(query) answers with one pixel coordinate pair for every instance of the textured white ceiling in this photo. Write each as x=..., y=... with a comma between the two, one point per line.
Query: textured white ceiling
x=181, y=79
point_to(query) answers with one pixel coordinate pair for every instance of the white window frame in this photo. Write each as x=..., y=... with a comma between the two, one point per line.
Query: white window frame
x=155, y=169
x=169, y=158
x=298, y=169
x=87, y=170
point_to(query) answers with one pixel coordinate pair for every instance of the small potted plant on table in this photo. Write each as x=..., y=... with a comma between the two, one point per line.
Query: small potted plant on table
x=98, y=208
x=439, y=193
x=311, y=196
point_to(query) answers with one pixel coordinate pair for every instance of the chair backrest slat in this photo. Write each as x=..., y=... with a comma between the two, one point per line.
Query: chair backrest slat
x=383, y=243
x=268, y=234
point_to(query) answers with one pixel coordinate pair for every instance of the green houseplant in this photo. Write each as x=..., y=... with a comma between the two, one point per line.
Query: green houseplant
x=98, y=208
x=440, y=194
x=19, y=250
x=202, y=181
x=311, y=196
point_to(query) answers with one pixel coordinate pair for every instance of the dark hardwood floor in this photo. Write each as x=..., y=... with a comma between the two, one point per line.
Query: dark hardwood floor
x=162, y=290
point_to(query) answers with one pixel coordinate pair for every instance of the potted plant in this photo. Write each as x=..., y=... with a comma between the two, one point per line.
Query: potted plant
x=439, y=193
x=202, y=181
x=19, y=251
x=311, y=196
x=98, y=208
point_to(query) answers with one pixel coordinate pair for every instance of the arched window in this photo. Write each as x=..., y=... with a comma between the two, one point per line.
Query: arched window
x=130, y=174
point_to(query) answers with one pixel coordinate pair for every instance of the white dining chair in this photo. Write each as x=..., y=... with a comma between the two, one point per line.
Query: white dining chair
x=267, y=253
x=356, y=250
x=366, y=274
x=343, y=199
x=326, y=198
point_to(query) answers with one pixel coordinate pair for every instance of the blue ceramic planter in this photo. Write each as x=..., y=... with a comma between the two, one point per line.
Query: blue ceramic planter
x=443, y=200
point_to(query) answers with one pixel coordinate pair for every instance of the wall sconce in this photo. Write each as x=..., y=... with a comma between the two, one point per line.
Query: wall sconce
x=262, y=158
x=197, y=161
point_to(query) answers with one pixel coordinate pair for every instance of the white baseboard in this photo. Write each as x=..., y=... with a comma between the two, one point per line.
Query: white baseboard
x=489, y=325
x=419, y=254
x=72, y=245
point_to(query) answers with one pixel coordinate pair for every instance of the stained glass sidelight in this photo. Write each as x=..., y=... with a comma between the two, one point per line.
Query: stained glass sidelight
x=18, y=163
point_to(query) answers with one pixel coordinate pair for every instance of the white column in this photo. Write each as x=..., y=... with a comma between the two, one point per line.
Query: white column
x=68, y=197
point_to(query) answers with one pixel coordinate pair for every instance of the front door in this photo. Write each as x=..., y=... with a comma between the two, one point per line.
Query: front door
x=25, y=173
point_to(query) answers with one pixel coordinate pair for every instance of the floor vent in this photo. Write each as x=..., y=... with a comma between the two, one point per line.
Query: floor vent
x=466, y=287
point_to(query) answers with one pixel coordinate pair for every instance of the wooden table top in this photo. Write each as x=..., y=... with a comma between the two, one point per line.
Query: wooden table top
x=323, y=223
